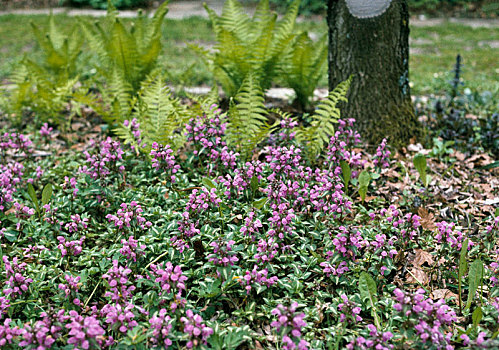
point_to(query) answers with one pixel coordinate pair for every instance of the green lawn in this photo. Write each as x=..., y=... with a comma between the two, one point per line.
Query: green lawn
x=433, y=50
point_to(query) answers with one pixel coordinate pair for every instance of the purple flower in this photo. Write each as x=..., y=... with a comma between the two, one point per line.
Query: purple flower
x=162, y=158
x=118, y=280
x=84, y=332
x=290, y=324
x=161, y=326
x=196, y=329
x=222, y=253
x=7, y=333
x=16, y=282
x=46, y=131
x=257, y=277
x=131, y=248
x=119, y=317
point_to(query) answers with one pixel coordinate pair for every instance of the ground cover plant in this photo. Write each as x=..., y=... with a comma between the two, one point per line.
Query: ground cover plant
x=205, y=223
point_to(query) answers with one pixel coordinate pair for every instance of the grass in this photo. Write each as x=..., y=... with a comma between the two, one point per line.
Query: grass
x=433, y=50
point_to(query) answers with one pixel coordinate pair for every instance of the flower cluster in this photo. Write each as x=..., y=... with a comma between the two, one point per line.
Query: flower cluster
x=384, y=248
x=199, y=201
x=76, y=222
x=195, y=328
x=381, y=158
x=447, y=234
x=347, y=243
x=171, y=280
x=16, y=282
x=70, y=183
x=162, y=158
x=131, y=248
x=258, y=277
x=71, y=248
x=46, y=131
x=206, y=132
x=7, y=333
x=404, y=226
x=119, y=317
x=17, y=143
x=335, y=270
x=73, y=284
x=349, y=310
x=127, y=215
x=10, y=177
x=287, y=124
x=242, y=178
x=118, y=280
x=134, y=127
x=290, y=324
x=429, y=318
x=341, y=146
x=222, y=253
x=267, y=250
x=251, y=225
x=45, y=332
x=84, y=332
x=161, y=327
x=105, y=160
x=376, y=340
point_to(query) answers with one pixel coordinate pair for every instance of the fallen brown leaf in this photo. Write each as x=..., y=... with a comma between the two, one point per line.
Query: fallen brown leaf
x=417, y=275
x=421, y=258
x=443, y=294
x=427, y=219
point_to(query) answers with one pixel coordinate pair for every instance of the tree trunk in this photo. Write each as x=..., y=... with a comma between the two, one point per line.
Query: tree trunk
x=376, y=51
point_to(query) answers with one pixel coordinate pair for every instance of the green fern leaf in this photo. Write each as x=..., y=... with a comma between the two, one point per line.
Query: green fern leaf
x=247, y=125
x=316, y=136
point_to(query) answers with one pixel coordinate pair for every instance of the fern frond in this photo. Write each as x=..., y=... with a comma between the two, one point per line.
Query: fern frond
x=119, y=97
x=54, y=34
x=285, y=27
x=161, y=116
x=304, y=67
x=235, y=20
x=317, y=135
x=247, y=118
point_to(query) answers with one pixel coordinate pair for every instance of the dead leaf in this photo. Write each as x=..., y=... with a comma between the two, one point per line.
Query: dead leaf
x=443, y=294
x=427, y=219
x=417, y=275
x=422, y=257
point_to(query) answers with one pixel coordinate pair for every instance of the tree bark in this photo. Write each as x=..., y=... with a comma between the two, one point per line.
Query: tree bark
x=376, y=51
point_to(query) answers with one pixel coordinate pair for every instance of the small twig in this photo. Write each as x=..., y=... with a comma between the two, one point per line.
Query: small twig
x=91, y=295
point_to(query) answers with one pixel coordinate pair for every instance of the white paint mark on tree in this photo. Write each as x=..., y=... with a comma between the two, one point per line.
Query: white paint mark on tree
x=367, y=8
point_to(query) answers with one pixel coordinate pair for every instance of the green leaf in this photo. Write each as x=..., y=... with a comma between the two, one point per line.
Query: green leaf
x=32, y=194
x=46, y=194
x=475, y=277
x=254, y=184
x=368, y=292
x=497, y=212
x=11, y=235
x=364, y=179
x=477, y=316
x=259, y=203
x=420, y=164
x=208, y=183
x=346, y=172
x=463, y=264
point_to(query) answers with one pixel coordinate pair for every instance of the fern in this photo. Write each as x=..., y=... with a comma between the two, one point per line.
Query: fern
x=316, y=136
x=304, y=67
x=161, y=116
x=246, y=45
x=132, y=53
x=46, y=86
x=248, y=124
